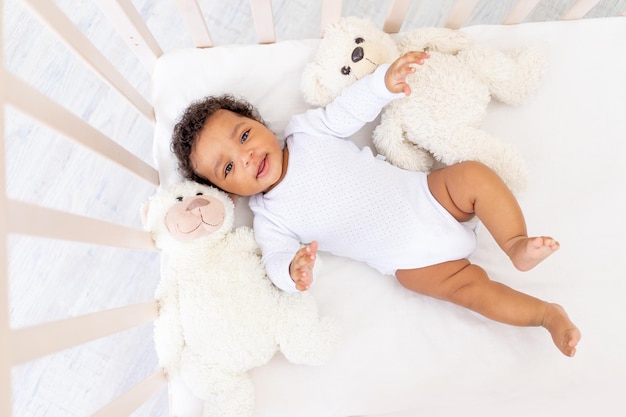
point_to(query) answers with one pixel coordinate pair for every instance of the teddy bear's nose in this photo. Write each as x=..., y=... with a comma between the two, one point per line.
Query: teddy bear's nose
x=357, y=54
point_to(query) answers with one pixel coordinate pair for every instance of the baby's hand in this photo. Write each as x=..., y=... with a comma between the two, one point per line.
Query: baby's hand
x=395, y=78
x=301, y=268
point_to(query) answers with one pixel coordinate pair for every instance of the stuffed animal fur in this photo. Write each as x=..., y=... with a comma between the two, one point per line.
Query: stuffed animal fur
x=441, y=120
x=219, y=314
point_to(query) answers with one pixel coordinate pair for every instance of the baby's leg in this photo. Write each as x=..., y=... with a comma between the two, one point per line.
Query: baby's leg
x=471, y=188
x=468, y=285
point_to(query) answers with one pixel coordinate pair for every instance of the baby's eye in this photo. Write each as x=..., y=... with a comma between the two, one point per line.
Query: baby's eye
x=228, y=168
x=244, y=137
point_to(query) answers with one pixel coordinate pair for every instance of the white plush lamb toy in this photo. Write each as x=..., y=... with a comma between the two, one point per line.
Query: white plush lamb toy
x=219, y=314
x=442, y=117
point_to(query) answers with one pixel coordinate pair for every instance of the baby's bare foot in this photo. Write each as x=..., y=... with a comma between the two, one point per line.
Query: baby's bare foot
x=564, y=333
x=527, y=252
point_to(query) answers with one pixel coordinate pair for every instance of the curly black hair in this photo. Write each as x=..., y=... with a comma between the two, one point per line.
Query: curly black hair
x=193, y=120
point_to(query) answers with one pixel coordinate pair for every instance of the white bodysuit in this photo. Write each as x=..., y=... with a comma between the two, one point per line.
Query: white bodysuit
x=352, y=203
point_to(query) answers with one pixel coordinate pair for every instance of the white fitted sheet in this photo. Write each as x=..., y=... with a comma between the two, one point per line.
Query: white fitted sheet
x=402, y=351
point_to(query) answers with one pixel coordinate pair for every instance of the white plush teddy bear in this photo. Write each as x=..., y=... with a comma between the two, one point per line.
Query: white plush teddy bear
x=219, y=314
x=442, y=117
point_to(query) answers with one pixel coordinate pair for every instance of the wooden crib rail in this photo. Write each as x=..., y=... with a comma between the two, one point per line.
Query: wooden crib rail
x=30, y=101
x=33, y=342
x=67, y=32
x=132, y=399
x=331, y=11
x=133, y=30
x=26, y=344
x=194, y=20
x=37, y=341
x=28, y=219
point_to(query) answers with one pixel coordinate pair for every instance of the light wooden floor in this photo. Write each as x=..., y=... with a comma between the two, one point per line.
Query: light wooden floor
x=53, y=280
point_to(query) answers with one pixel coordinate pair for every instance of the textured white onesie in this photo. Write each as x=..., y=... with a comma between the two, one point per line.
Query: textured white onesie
x=352, y=203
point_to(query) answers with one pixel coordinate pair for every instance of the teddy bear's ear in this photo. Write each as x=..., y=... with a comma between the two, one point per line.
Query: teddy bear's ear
x=314, y=92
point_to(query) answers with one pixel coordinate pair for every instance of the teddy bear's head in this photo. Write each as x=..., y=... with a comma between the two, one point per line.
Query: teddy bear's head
x=349, y=50
x=188, y=212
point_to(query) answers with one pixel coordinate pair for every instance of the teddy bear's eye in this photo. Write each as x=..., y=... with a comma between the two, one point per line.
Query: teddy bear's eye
x=179, y=198
x=345, y=70
x=199, y=193
x=359, y=40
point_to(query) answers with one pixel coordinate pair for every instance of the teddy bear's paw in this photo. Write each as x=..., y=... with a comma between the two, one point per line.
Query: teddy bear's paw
x=508, y=164
x=421, y=162
x=390, y=140
x=409, y=156
x=515, y=179
x=533, y=64
x=303, y=336
x=230, y=396
x=314, y=344
x=512, y=76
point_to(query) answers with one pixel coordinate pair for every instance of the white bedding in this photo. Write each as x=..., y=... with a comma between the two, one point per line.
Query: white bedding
x=402, y=351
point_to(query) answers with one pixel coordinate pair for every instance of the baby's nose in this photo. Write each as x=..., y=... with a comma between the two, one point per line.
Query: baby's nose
x=248, y=157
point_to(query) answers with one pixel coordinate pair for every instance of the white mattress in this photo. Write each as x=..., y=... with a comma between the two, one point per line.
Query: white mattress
x=402, y=351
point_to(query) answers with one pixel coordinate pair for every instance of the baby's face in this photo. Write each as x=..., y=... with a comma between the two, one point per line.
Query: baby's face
x=237, y=154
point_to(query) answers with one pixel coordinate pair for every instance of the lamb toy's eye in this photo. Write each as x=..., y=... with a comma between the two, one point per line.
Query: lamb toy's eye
x=199, y=193
x=179, y=198
x=345, y=70
x=359, y=40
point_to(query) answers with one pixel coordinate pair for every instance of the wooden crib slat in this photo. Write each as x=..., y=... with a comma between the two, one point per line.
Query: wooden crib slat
x=580, y=9
x=263, y=20
x=331, y=13
x=6, y=392
x=196, y=25
x=133, y=30
x=36, y=341
x=520, y=11
x=30, y=101
x=396, y=15
x=32, y=220
x=132, y=399
x=52, y=16
x=460, y=13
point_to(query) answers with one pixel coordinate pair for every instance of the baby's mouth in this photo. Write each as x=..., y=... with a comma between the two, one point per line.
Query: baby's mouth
x=262, y=167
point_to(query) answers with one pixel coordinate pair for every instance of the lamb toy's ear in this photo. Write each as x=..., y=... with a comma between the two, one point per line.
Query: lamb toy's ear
x=234, y=198
x=314, y=92
x=145, y=207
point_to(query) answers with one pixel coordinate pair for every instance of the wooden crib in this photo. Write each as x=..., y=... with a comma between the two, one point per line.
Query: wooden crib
x=126, y=148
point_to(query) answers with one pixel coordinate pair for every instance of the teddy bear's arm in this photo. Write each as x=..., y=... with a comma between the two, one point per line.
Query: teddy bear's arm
x=168, y=332
x=435, y=39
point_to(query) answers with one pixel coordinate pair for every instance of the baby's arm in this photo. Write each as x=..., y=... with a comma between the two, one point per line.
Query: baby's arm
x=301, y=268
x=360, y=102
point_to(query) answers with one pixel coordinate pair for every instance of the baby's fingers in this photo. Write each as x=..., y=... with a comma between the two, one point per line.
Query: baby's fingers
x=304, y=282
x=301, y=268
x=415, y=57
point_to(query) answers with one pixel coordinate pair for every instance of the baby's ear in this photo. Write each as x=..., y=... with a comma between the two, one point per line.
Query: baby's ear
x=234, y=197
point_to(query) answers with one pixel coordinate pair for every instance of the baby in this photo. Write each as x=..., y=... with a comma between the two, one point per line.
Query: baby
x=321, y=189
